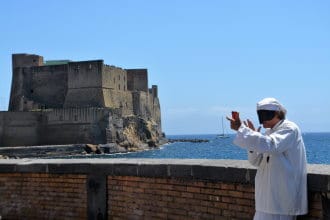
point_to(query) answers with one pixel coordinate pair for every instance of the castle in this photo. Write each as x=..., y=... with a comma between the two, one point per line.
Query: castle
x=66, y=102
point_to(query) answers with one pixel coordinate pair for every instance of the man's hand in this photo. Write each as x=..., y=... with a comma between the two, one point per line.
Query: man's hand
x=250, y=125
x=234, y=124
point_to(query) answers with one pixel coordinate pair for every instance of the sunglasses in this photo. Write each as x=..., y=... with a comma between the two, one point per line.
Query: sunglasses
x=265, y=115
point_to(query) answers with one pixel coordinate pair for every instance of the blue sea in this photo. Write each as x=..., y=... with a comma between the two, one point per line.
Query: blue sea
x=317, y=148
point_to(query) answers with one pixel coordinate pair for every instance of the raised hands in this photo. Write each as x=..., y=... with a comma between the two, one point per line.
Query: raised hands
x=248, y=123
x=235, y=123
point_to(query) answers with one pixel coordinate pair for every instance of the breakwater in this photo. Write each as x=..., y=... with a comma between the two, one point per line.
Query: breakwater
x=194, y=140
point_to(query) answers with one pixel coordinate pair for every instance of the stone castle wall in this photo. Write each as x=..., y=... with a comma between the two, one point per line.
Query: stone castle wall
x=84, y=84
x=114, y=78
x=42, y=90
x=20, y=128
x=32, y=89
x=137, y=79
x=59, y=126
x=80, y=84
x=42, y=93
x=80, y=125
x=76, y=84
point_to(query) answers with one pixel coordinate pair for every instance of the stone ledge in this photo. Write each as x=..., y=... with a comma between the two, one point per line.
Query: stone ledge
x=239, y=171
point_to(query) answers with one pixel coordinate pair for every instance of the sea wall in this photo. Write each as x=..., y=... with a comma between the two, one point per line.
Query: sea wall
x=58, y=126
x=140, y=189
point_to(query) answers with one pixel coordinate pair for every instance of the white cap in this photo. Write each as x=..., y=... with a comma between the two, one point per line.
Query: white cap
x=270, y=104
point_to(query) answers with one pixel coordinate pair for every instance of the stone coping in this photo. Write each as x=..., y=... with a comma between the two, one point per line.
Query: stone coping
x=239, y=171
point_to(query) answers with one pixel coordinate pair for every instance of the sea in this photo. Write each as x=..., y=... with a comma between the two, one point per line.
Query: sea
x=317, y=149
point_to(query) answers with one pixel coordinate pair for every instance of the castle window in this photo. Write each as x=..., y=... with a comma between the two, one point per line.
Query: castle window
x=31, y=91
x=119, y=86
x=76, y=69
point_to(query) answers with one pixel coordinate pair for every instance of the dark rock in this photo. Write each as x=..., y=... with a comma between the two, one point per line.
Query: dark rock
x=152, y=143
x=91, y=148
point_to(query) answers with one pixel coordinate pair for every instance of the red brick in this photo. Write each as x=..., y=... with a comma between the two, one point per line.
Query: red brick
x=187, y=195
x=174, y=193
x=236, y=194
x=161, y=181
x=176, y=211
x=207, y=203
x=227, y=186
x=247, y=195
x=212, y=210
x=193, y=189
x=180, y=188
x=228, y=200
x=208, y=191
x=245, y=188
x=244, y=201
x=201, y=196
x=221, y=205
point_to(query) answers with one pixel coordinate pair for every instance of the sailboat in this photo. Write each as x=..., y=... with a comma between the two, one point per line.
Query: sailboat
x=223, y=135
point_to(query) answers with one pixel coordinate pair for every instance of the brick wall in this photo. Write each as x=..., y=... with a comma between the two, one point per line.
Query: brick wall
x=178, y=199
x=140, y=189
x=42, y=196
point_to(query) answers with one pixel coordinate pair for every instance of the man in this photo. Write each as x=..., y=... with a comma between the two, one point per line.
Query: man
x=280, y=158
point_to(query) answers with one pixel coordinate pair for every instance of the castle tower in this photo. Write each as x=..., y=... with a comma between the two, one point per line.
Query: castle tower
x=26, y=60
x=85, y=84
x=137, y=80
x=19, y=62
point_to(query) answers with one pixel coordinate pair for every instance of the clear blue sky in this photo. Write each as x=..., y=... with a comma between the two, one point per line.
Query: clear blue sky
x=207, y=57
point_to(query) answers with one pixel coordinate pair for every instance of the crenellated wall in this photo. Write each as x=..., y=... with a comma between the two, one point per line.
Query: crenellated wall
x=140, y=189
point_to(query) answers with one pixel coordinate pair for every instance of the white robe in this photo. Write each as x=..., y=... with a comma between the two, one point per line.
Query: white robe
x=281, y=179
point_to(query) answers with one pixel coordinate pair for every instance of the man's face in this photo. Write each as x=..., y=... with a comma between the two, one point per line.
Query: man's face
x=270, y=123
x=265, y=115
x=268, y=118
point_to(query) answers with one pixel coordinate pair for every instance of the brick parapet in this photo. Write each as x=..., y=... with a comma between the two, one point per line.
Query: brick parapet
x=149, y=188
